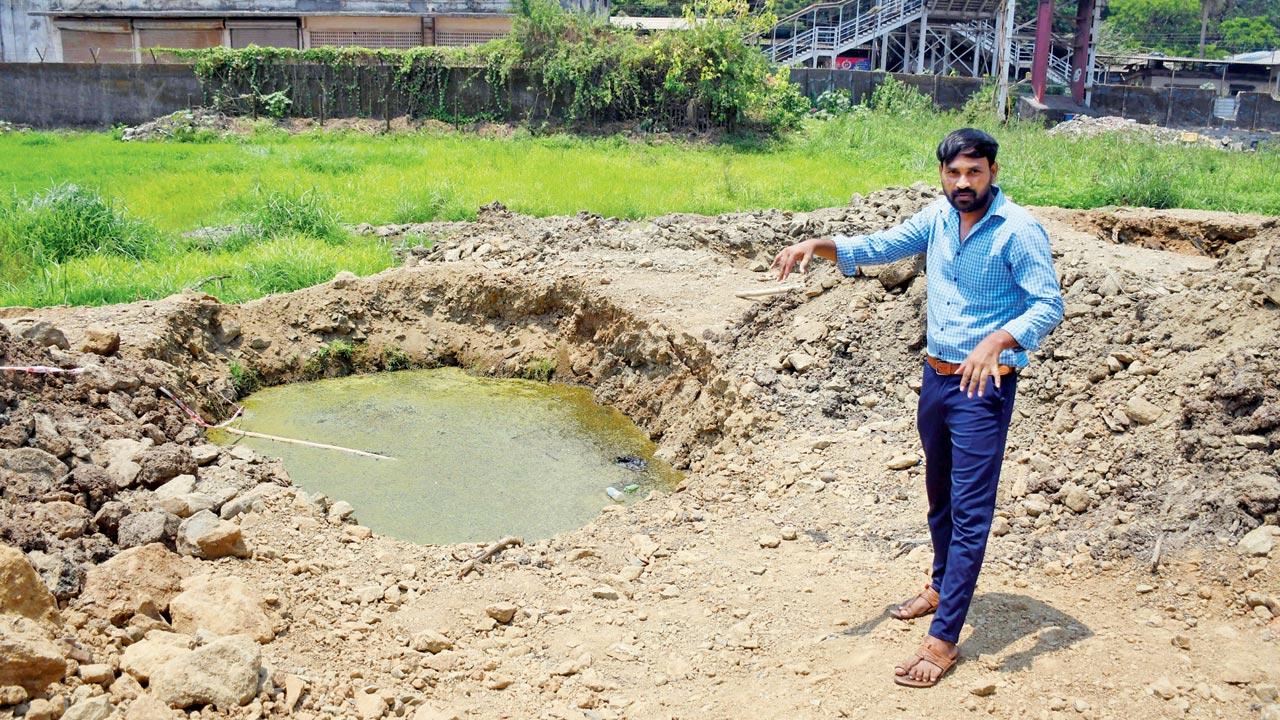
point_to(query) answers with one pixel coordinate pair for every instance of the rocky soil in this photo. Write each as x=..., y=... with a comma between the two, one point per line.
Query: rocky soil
x=1132, y=572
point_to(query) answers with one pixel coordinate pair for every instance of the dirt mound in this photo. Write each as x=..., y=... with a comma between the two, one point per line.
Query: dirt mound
x=1086, y=126
x=185, y=123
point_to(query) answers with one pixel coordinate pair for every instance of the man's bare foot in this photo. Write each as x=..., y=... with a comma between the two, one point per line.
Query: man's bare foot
x=920, y=605
x=923, y=671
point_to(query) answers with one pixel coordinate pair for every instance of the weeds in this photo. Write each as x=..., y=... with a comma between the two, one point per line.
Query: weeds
x=539, y=369
x=269, y=214
x=245, y=380
x=340, y=358
x=67, y=222
x=440, y=201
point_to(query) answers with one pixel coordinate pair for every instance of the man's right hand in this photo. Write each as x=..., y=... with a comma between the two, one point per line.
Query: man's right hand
x=797, y=257
x=793, y=257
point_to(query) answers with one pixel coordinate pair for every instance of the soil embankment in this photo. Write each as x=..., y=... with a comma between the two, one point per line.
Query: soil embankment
x=1125, y=577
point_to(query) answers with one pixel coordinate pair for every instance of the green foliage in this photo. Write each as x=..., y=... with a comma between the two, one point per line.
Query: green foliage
x=834, y=102
x=1243, y=34
x=539, y=369
x=439, y=201
x=898, y=99
x=66, y=222
x=394, y=358
x=981, y=106
x=707, y=75
x=244, y=380
x=339, y=358
x=268, y=214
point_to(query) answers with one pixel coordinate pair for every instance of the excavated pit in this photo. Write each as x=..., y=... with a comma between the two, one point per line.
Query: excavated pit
x=469, y=459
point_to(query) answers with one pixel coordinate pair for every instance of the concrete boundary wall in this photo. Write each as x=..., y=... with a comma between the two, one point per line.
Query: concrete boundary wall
x=948, y=93
x=48, y=95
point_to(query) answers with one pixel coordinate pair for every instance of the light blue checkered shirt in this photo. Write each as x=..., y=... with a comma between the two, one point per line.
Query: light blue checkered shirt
x=1001, y=276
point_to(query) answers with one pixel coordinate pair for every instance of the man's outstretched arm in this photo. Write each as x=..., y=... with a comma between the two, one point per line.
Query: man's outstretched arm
x=905, y=240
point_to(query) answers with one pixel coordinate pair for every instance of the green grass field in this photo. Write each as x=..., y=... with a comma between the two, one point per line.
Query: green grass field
x=171, y=187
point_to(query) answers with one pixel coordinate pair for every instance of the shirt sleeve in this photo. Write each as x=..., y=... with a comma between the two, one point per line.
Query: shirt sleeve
x=909, y=238
x=1031, y=262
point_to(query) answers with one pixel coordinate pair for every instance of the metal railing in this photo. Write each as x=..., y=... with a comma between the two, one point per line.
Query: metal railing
x=858, y=22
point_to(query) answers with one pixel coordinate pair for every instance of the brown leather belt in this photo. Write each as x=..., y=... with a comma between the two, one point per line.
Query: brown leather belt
x=942, y=367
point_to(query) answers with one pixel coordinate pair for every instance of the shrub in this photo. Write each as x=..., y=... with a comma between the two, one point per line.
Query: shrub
x=436, y=202
x=894, y=97
x=268, y=214
x=67, y=222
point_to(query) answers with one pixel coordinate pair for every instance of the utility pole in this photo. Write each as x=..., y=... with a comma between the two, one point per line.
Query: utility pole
x=1044, y=48
x=1004, y=38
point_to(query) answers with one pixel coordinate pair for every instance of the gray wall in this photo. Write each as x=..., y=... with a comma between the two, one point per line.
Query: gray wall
x=948, y=93
x=1189, y=107
x=1258, y=111
x=25, y=37
x=75, y=95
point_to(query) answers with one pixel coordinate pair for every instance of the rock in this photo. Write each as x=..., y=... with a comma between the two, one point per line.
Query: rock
x=223, y=673
x=428, y=711
x=95, y=708
x=1076, y=497
x=604, y=592
x=120, y=457
x=161, y=464
x=48, y=438
x=809, y=331
x=800, y=362
x=63, y=519
x=430, y=641
x=984, y=689
x=61, y=573
x=294, y=686
x=789, y=533
x=341, y=511
x=178, y=486
x=503, y=612
x=1259, y=493
x=769, y=541
x=41, y=709
x=904, y=461
x=22, y=592
x=222, y=606
x=100, y=341
x=1259, y=541
x=369, y=705
x=204, y=453
x=147, y=707
x=205, y=535
x=145, y=657
x=1163, y=689
x=29, y=474
x=144, y=528
x=97, y=674
x=29, y=658
x=1141, y=411
x=46, y=335
x=12, y=695
x=1000, y=526
x=141, y=580
x=184, y=506
x=344, y=279
x=900, y=273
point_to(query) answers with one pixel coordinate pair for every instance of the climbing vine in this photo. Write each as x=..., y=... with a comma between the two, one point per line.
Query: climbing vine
x=579, y=67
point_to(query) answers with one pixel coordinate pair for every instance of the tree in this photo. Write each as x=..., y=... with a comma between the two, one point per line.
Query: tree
x=1168, y=26
x=1242, y=34
x=1209, y=8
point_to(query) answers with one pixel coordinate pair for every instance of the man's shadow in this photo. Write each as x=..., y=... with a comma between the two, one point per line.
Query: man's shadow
x=1001, y=619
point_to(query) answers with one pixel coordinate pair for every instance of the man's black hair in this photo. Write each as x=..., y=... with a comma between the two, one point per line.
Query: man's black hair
x=969, y=142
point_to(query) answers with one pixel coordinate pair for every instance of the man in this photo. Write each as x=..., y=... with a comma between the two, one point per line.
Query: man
x=992, y=296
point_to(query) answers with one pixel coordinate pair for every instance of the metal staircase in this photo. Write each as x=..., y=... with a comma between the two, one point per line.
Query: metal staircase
x=812, y=32
x=1022, y=50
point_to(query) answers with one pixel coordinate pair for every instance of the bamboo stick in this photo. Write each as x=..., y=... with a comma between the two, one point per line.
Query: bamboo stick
x=766, y=292
x=308, y=443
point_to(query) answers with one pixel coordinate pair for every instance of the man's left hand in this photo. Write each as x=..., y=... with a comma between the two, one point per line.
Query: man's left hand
x=984, y=362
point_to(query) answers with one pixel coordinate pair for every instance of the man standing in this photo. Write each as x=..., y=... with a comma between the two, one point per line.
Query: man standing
x=992, y=296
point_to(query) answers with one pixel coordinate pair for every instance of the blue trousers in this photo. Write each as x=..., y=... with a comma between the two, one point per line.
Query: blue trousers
x=964, y=439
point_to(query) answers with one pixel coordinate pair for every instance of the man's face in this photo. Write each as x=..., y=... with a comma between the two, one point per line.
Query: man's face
x=967, y=182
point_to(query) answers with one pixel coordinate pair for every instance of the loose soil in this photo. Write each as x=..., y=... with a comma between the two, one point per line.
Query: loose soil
x=1143, y=448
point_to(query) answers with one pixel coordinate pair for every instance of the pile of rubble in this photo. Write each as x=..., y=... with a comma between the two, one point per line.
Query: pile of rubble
x=1083, y=126
x=184, y=124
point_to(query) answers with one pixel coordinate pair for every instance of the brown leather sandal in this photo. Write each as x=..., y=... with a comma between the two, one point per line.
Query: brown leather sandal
x=924, y=654
x=928, y=594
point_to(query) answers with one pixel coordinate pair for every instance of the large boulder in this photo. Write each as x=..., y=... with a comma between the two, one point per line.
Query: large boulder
x=222, y=606
x=161, y=464
x=205, y=535
x=141, y=580
x=29, y=657
x=143, y=658
x=144, y=528
x=22, y=592
x=120, y=457
x=223, y=673
x=29, y=474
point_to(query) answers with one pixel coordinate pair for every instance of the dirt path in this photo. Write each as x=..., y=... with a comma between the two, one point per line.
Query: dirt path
x=1151, y=419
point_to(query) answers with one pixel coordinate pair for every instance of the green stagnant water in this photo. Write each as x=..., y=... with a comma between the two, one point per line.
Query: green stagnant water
x=475, y=458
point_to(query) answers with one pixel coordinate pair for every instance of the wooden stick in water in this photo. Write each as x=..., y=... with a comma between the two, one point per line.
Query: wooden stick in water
x=308, y=443
x=766, y=292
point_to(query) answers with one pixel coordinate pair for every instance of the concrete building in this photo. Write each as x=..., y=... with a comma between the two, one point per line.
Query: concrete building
x=113, y=31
